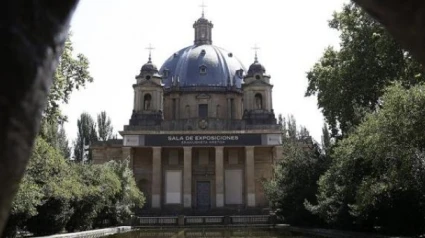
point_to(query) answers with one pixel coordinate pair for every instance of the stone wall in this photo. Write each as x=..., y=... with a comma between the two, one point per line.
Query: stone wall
x=142, y=169
x=218, y=105
x=263, y=158
x=103, y=154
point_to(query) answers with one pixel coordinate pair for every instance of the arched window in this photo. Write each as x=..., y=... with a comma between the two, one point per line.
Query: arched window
x=147, y=101
x=258, y=101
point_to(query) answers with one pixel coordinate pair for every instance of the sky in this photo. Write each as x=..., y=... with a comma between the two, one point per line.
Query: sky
x=114, y=35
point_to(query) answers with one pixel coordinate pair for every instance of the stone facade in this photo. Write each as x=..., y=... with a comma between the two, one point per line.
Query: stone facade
x=202, y=136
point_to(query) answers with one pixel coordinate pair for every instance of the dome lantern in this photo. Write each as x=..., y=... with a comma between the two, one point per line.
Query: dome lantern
x=149, y=69
x=256, y=69
x=203, y=30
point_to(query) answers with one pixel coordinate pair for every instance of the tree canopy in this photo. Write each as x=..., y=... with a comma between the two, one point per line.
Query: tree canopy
x=56, y=195
x=86, y=134
x=349, y=82
x=104, y=126
x=71, y=73
x=294, y=177
x=377, y=177
x=371, y=175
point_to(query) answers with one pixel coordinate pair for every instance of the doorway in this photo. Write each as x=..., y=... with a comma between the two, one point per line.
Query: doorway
x=203, y=195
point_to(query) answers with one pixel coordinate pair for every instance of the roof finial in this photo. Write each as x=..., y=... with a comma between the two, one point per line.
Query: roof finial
x=150, y=48
x=256, y=48
x=203, y=8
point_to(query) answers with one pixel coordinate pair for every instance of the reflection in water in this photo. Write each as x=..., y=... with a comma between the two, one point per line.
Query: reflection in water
x=209, y=232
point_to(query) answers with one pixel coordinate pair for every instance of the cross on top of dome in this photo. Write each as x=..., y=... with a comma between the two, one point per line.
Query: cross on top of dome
x=203, y=6
x=256, y=48
x=150, y=48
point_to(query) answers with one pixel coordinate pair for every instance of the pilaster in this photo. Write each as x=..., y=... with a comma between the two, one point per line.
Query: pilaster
x=156, y=177
x=187, y=180
x=219, y=186
x=249, y=176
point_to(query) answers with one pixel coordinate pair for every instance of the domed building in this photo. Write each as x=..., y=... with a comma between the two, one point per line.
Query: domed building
x=202, y=134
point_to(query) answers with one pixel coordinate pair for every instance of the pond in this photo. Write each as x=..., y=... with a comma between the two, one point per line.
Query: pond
x=210, y=232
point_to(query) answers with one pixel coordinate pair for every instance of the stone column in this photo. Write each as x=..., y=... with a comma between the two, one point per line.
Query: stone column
x=187, y=181
x=219, y=186
x=249, y=176
x=156, y=177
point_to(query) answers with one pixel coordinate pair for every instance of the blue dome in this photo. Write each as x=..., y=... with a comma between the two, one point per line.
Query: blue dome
x=202, y=65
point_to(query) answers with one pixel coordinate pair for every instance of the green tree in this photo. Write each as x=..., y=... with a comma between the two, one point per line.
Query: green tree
x=377, y=176
x=51, y=173
x=295, y=177
x=85, y=135
x=24, y=206
x=349, y=82
x=71, y=73
x=55, y=135
x=326, y=139
x=291, y=127
x=104, y=126
x=123, y=203
x=55, y=195
x=63, y=144
x=100, y=186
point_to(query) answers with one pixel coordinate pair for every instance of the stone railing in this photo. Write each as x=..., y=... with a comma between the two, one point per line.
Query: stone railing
x=157, y=221
x=203, y=89
x=257, y=219
x=208, y=124
x=93, y=233
x=203, y=220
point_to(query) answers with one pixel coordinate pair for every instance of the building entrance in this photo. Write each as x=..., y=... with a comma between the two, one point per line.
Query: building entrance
x=203, y=195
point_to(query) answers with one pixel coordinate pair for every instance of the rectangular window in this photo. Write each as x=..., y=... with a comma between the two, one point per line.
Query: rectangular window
x=203, y=110
x=233, y=186
x=173, y=187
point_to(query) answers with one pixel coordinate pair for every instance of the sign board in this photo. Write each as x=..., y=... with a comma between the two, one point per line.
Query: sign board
x=132, y=140
x=272, y=139
x=202, y=140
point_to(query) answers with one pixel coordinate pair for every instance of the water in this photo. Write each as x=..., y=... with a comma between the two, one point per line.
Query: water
x=210, y=232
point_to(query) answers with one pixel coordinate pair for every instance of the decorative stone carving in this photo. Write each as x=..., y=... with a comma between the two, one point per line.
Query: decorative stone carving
x=203, y=124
